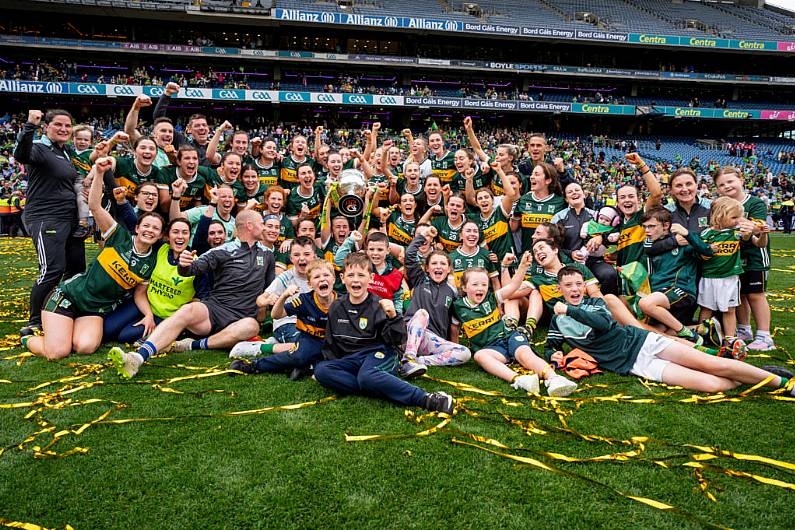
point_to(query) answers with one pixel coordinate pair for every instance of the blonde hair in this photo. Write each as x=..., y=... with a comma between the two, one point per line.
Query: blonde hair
x=317, y=265
x=83, y=127
x=468, y=274
x=722, y=209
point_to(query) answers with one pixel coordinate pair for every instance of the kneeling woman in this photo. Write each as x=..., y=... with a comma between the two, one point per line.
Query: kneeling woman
x=167, y=291
x=72, y=316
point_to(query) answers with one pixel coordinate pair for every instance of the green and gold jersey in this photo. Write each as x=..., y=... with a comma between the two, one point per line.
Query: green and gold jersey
x=242, y=197
x=547, y=284
x=631, y=237
x=496, y=232
x=479, y=180
x=481, y=323
x=198, y=190
x=81, y=160
x=462, y=262
x=725, y=261
x=449, y=236
x=288, y=171
x=268, y=176
x=286, y=230
x=443, y=167
x=117, y=269
x=754, y=258
x=398, y=229
x=534, y=212
x=314, y=202
x=130, y=177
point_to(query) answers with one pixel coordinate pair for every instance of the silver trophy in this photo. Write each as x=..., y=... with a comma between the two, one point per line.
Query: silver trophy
x=352, y=189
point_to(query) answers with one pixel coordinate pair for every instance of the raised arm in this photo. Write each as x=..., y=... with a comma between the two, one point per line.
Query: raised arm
x=513, y=285
x=103, y=219
x=318, y=142
x=652, y=184
x=474, y=143
x=164, y=100
x=212, y=147
x=131, y=121
x=372, y=141
x=24, y=151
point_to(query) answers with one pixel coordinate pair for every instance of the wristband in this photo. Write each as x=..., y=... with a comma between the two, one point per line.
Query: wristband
x=213, y=204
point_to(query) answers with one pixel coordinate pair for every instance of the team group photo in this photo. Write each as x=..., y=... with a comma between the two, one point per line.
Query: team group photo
x=397, y=265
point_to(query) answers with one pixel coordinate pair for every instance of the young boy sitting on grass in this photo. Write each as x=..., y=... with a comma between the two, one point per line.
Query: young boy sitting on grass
x=311, y=312
x=362, y=337
x=587, y=324
x=672, y=276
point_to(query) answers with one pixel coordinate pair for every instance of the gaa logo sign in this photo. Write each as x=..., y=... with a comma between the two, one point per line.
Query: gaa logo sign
x=87, y=89
x=325, y=98
x=260, y=95
x=156, y=91
x=193, y=93
x=123, y=90
x=351, y=205
x=361, y=100
x=387, y=100
x=53, y=88
x=228, y=94
x=294, y=96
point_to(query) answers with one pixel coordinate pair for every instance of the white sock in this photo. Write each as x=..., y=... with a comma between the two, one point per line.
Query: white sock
x=763, y=334
x=744, y=327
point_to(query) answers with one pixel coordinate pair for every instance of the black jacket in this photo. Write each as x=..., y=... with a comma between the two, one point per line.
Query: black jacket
x=355, y=327
x=51, y=178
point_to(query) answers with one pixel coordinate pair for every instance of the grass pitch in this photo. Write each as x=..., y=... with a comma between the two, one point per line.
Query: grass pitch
x=187, y=462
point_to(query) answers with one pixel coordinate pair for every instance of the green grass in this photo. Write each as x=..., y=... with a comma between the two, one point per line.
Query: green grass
x=291, y=469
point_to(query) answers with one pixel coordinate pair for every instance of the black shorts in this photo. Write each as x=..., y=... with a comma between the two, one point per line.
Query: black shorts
x=220, y=316
x=58, y=303
x=683, y=305
x=752, y=282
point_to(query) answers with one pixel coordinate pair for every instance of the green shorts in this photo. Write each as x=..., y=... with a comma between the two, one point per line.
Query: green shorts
x=60, y=304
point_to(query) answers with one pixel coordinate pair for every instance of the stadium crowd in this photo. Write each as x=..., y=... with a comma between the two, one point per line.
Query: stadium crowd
x=364, y=256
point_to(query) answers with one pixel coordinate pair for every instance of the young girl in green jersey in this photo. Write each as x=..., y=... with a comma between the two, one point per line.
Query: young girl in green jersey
x=478, y=314
x=755, y=260
x=719, y=287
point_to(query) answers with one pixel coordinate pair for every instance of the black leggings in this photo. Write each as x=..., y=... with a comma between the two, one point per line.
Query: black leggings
x=605, y=273
x=60, y=256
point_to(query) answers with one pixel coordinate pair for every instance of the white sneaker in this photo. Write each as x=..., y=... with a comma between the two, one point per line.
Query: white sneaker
x=762, y=344
x=559, y=386
x=744, y=335
x=126, y=364
x=528, y=383
x=245, y=349
x=182, y=345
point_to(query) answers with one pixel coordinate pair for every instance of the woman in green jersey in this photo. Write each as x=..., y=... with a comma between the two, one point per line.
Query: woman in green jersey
x=494, y=219
x=538, y=205
x=72, y=316
x=251, y=192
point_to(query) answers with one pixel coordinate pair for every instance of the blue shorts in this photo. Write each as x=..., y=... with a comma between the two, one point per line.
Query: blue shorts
x=507, y=346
